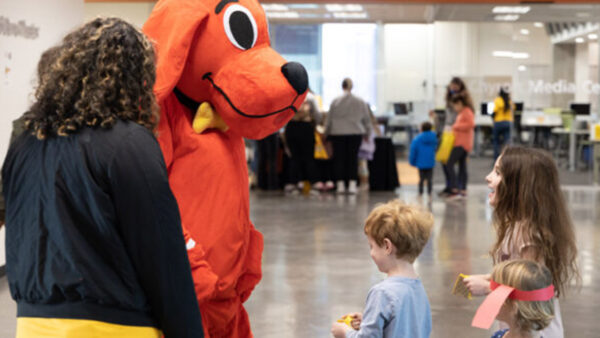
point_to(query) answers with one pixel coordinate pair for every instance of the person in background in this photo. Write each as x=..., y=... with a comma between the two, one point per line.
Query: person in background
x=503, y=118
x=2, y=207
x=348, y=123
x=455, y=87
x=366, y=152
x=19, y=124
x=88, y=204
x=300, y=141
x=422, y=156
x=463, y=130
x=323, y=165
x=397, y=306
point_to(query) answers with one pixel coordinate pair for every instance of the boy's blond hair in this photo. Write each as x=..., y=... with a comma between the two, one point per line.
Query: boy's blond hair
x=526, y=275
x=407, y=227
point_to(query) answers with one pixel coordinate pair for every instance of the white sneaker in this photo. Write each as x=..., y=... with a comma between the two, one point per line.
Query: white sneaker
x=352, y=187
x=289, y=188
x=341, y=187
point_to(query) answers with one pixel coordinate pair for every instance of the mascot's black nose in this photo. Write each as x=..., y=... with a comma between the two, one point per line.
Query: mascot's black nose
x=296, y=76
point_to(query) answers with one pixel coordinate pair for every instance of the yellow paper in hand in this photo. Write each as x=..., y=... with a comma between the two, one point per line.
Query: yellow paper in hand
x=459, y=287
x=346, y=320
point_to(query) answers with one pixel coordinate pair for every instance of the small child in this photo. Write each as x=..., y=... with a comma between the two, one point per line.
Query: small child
x=422, y=156
x=397, y=306
x=522, y=297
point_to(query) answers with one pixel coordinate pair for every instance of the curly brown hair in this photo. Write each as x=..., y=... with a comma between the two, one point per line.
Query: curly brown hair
x=529, y=195
x=100, y=73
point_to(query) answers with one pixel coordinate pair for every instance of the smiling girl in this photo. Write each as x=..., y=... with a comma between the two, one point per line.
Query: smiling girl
x=531, y=222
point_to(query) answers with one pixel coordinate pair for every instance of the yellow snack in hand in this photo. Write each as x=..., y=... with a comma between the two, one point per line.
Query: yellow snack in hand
x=346, y=320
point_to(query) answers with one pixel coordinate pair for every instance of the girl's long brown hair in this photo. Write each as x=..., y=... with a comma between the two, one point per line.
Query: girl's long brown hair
x=101, y=73
x=529, y=195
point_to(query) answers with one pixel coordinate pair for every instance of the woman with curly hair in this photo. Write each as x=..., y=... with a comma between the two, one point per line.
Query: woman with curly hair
x=94, y=239
x=532, y=222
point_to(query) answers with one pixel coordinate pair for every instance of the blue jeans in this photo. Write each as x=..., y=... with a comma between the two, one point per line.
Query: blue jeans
x=500, y=136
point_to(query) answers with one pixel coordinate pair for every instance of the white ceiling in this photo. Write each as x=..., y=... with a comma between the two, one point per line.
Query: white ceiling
x=418, y=13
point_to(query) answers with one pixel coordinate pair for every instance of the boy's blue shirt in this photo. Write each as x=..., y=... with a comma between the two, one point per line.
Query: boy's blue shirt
x=422, y=150
x=396, y=307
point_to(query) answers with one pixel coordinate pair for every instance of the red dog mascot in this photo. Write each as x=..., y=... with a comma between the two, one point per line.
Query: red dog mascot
x=216, y=54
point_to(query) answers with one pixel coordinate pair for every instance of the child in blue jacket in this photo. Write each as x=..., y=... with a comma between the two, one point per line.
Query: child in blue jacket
x=422, y=156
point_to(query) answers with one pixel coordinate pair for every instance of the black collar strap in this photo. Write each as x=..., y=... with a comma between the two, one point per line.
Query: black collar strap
x=186, y=100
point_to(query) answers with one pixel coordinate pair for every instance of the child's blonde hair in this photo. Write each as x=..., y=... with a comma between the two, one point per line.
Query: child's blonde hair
x=407, y=227
x=526, y=275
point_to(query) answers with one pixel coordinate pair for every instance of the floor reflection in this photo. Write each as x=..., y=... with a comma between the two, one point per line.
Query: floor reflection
x=317, y=265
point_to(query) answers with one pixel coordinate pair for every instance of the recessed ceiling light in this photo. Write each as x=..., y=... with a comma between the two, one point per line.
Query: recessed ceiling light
x=520, y=56
x=344, y=8
x=502, y=53
x=303, y=6
x=593, y=36
x=283, y=15
x=579, y=40
x=525, y=31
x=522, y=68
x=509, y=54
x=583, y=15
x=511, y=9
x=275, y=7
x=507, y=17
x=538, y=24
x=353, y=15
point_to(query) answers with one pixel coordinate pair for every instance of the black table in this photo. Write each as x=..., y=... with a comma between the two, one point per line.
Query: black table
x=383, y=172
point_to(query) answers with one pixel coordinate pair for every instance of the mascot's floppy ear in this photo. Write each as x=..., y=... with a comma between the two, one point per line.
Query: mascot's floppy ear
x=182, y=17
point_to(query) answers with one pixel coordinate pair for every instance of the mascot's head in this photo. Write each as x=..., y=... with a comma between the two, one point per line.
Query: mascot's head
x=218, y=51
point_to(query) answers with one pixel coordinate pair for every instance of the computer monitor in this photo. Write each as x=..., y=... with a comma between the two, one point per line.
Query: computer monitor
x=580, y=108
x=400, y=109
x=519, y=106
x=440, y=112
x=487, y=108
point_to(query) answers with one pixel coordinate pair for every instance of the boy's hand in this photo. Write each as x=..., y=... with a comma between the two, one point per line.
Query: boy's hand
x=479, y=285
x=356, y=319
x=339, y=330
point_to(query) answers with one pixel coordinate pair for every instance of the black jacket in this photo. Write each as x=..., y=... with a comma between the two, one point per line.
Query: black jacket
x=93, y=231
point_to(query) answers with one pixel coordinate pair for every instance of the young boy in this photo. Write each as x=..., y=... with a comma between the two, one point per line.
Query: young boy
x=422, y=156
x=398, y=306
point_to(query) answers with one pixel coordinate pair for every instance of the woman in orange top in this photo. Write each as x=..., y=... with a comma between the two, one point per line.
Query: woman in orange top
x=463, y=129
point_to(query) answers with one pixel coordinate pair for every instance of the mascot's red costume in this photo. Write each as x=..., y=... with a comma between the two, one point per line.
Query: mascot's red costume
x=219, y=81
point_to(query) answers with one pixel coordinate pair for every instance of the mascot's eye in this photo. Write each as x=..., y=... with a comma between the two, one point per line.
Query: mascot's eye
x=240, y=27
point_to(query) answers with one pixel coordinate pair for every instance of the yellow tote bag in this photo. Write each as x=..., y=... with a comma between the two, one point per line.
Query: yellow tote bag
x=445, y=148
x=320, y=151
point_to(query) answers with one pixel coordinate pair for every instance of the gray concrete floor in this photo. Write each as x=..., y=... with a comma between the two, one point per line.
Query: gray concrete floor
x=317, y=266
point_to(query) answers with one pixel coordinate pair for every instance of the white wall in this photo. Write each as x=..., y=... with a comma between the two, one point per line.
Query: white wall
x=462, y=49
x=455, y=46
x=135, y=13
x=408, y=62
x=19, y=56
x=349, y=50
x=582, y=71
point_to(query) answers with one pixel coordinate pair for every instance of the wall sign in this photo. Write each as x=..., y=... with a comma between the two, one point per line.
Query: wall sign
x=19, y=29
